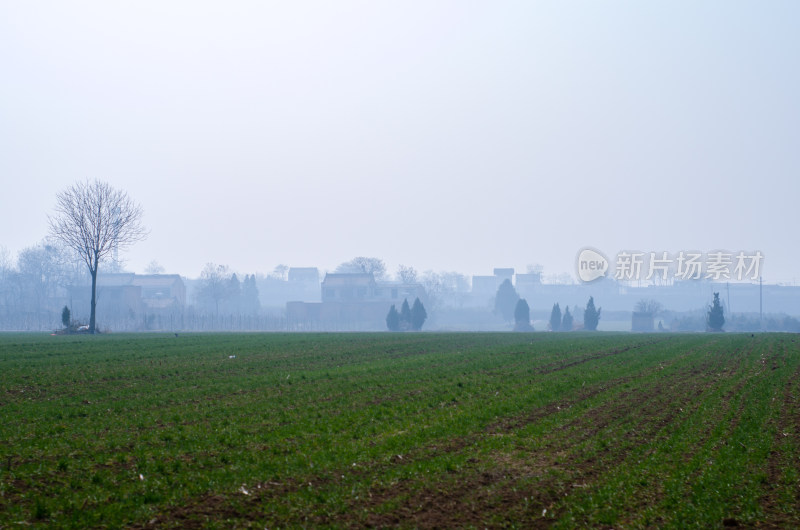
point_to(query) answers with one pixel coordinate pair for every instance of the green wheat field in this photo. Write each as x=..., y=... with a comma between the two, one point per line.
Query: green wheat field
x=409, y=430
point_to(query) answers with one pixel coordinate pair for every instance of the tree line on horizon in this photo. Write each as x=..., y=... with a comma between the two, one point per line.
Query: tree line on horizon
x=509, y=305
x=92, y=221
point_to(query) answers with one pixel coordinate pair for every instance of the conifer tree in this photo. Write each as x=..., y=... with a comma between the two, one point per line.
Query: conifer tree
x=393, y=319
x=66, y=317
x=555, y=318
x=591, y=316
x=566, y=321
x=506, y=301
x=234, y=294
x=522, y=316
x=250, y=300
x=405, y=316
x=716, y=317
x=418, y=315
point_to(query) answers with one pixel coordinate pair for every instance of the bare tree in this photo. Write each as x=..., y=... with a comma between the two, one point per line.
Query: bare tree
x=214, y=285
x=406, y=274
x=5, y=259
x=280, y=271
x=96, y=221
x=42, y=269
x=444, y=288
x=363, y=264
x=6, y=274
x=649, y=307
x=154, y=267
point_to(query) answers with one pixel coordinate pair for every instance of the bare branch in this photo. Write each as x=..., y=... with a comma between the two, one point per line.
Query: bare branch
x=94, y=219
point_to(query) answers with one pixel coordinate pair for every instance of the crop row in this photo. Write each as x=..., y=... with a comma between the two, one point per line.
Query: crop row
x=399, y=429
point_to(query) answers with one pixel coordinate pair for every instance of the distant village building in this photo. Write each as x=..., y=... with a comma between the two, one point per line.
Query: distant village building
x=124, y=301
x=339, y=302
x=303, y=284
x=304, y=275
x=351, y=302
x=484, y=287
x=161, y=291
x=504, y=273
x=527, y=285
x=642, y=321
x=528, y=281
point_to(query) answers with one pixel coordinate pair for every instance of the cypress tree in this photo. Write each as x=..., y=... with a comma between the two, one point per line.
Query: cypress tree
x=250, y=301
x=393, y=319
x=405, y=316
x=522, y=316
x=591, y=316
x=715, y=319
x=566, y=322
x=66, y=317
x=418, y=315
x=506, y=301
x=555, y=318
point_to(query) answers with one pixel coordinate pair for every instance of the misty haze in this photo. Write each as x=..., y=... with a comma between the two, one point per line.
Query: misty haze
x=419, y=264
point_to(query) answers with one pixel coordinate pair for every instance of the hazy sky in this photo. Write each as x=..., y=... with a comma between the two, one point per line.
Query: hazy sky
x=444, y=135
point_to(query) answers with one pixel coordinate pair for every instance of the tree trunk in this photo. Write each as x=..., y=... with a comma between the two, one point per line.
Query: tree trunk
x=94, y=299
